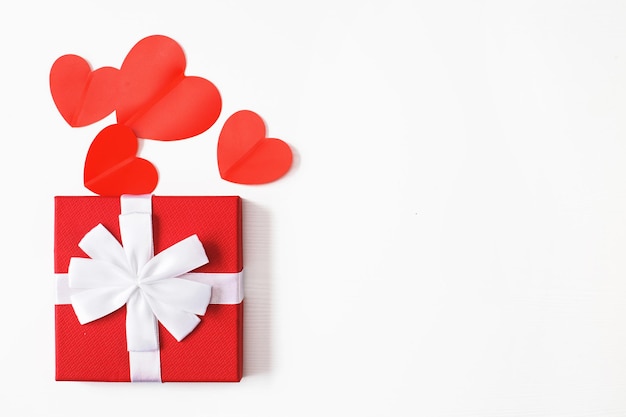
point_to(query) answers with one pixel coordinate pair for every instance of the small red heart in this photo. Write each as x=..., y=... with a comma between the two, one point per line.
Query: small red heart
x=157, y=100
x=246, y=156
x=112, y=167
x=82, y=96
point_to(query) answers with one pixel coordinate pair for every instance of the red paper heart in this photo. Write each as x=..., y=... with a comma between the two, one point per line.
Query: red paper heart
x=246, y=156
x=157, y=100
x=112, y=167
x=82, y=96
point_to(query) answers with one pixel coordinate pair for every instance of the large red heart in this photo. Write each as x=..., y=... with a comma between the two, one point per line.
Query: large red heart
x=157, y=100
x=112, y=167
x=246, y=156
x=82, y=96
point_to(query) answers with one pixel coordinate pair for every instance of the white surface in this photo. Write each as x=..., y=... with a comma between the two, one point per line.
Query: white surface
x=450, y=241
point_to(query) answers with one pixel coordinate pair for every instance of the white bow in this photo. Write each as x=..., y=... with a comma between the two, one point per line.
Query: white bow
x=150, y=286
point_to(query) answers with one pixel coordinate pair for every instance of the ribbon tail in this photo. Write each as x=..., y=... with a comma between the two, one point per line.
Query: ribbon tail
x=178, y=323
x=178, y=259
x=142, y=328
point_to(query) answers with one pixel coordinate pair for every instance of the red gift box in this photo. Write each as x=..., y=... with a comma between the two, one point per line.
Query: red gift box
x=97, y=351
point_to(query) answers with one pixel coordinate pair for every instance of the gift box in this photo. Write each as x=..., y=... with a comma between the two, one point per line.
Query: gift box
x=193, y=343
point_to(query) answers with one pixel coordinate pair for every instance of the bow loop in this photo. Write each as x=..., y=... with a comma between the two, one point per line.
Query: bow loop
x=178, y=259
x=95, y=303
x=179, y=323
x=94, y=273
x=100, y=244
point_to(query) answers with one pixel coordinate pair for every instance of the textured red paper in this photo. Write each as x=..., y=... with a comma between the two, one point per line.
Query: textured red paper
x=246, y=156
x=112, y=167
x=97, y=351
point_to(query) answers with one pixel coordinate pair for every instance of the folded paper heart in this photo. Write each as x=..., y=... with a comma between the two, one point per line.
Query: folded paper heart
x=81, y=95
x=112, y=167
x=246, y=156
x=157, y=100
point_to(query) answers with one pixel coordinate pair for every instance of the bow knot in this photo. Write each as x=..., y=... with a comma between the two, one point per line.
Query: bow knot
x=152, y=287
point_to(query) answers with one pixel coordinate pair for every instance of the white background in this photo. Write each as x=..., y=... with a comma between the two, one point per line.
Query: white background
x=450, y=241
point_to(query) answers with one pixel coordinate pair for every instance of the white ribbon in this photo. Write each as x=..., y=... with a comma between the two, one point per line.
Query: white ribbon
x=150, y=286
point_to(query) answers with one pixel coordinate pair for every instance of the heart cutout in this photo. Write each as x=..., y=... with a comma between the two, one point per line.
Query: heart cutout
x=157, y=100
x=81, y=95
x=112, y=167
x=246, y=156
